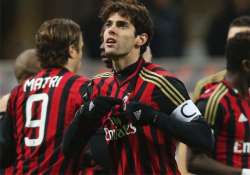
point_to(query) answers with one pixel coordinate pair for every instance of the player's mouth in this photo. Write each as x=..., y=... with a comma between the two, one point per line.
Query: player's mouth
x=110, y=42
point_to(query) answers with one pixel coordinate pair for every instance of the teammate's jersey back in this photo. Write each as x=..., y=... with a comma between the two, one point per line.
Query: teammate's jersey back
x=41, y=109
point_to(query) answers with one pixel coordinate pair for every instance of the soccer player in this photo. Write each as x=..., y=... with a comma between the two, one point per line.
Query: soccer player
x=41, y=107
x=226, y=106
x=150, y=107
x=240, y=24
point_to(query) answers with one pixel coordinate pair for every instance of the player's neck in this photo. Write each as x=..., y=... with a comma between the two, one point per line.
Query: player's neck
x=122, y=62
x=71, y=65
x=238, y=81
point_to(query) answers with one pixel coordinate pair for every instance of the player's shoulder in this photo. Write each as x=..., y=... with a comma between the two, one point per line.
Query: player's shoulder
x=215, y=93
x=165, y=81
x=103, y=75
x=156, y=70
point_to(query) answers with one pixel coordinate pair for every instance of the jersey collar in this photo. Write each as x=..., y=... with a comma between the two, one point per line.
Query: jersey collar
x=129, y=72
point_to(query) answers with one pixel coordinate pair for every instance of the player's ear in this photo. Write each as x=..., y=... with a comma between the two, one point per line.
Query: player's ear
x=246, y=65
x=141, y=39
x=72, y=51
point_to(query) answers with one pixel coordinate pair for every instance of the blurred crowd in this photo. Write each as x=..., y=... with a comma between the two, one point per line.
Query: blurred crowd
x=172, y=29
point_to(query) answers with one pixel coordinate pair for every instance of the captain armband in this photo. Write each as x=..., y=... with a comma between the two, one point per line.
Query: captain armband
x=186, y=112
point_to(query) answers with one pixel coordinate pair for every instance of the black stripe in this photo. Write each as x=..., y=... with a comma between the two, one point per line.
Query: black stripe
x=110, y=88
x=230, y=130
x=100, y=84
x=157, y=149
x=140, y=91
x=143, y=151
x=129, y=155
x=60, y=121
x=42, y=149
x=170, y=154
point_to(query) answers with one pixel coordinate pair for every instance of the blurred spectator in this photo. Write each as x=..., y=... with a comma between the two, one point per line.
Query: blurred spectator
x=91, y=25
x=169, y=36
x=218, y=29
x=7, y=15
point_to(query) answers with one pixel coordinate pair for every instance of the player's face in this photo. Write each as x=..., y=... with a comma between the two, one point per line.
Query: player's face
x=76, y=55
x=119, y=36
x=234, y=30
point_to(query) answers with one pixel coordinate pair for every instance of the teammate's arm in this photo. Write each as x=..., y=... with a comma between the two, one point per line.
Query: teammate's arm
x=86, y=122
x=7, y=143
x=201, y=163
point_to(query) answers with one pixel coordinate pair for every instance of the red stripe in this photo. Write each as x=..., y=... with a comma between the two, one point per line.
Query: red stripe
x=133, y=140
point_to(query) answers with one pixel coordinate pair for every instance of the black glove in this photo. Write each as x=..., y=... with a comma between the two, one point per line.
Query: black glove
x=140, y=113
x=98, y=107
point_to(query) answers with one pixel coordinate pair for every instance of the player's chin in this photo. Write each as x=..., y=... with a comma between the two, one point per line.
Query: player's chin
x=107, y=62
x=111, y=54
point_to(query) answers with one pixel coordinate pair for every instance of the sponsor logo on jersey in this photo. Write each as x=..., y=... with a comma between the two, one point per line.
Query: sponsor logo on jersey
x=241, y=147
x=120, y=130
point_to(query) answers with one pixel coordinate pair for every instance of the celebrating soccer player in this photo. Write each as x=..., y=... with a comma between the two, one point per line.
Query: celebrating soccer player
x=226, y=106
x=142, y=107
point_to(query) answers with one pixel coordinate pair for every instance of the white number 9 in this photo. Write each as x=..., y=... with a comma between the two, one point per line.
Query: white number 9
x=36, y=123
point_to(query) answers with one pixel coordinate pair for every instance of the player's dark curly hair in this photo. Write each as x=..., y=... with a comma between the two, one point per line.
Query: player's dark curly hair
x=53, y=39
x=242, y=21
x=237, y=49
x=135, y=11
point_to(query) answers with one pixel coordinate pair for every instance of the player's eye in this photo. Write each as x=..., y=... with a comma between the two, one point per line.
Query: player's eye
x=122, y=24
x=108, y=24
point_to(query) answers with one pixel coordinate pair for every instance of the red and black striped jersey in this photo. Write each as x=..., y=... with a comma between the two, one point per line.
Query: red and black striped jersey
x=140, y=149
x=41, y=109
x=228, y=114
x=207, y=82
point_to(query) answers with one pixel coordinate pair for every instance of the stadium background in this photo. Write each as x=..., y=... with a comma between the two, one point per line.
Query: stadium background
x=19, y=20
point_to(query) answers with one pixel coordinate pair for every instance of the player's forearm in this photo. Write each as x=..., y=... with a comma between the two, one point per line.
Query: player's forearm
x=77, y=135
x=202, y=164
x=195, y=133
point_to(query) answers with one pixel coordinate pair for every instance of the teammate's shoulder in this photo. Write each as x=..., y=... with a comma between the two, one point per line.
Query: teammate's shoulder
x=211, y=79
x=216, y=92
x=4, y=101
x=103, y=75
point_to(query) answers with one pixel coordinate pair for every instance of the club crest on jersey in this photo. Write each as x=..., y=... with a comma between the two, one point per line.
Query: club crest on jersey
x=91, y=106
x=125, y=101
